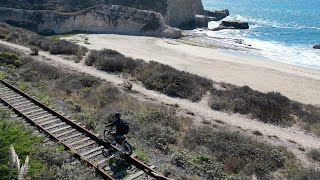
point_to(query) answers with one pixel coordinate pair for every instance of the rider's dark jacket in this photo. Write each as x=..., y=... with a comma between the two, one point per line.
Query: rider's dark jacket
x=117, y=123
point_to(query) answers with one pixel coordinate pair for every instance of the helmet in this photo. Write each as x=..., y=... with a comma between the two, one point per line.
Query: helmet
x=117, y=115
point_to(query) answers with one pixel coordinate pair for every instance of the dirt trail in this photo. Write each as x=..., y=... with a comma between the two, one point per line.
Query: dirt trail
x=200, y=109
x=297, y=83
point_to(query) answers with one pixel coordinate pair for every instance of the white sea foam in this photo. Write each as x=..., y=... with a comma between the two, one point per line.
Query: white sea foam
x=264, y=22
x=300, y=55
x=295, y=55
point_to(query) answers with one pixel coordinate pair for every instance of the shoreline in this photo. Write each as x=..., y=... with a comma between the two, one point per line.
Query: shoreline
x=296, y=55
x=297, y=83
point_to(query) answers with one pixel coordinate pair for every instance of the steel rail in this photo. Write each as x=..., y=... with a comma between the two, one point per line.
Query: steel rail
x=140, y=165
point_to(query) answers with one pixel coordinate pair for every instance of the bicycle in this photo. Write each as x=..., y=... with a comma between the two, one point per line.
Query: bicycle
x=121, y=142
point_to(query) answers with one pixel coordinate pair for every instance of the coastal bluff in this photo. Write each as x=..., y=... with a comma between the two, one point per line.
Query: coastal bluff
x=176, y=13
x=97, y=19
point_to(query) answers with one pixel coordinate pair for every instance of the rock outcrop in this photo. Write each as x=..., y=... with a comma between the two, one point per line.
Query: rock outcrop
x=317, y=46
x=199, y=7
x=202, y=21
x=176, y=13
x=217, y=15
x=232, y=25
x=181, y=13
x=98, y=19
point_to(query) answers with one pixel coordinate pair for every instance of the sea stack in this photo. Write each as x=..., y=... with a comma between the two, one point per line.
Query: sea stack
x=218, y=14
x=232, y=25
x=317, y=46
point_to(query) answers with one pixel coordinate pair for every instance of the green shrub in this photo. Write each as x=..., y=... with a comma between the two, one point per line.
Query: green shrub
x=204, y=165
x=112, y=61
x=158, y=128
x=104, y=95
x=14, y=133
x=74, y=83
x=250, y=156
x=309, y=115
x=67, y=171
x=141, y=154
x=40, y=42
x=24, y=37
x=2, y=75
x=29, y=38
x=10, y=58
x=50, y=155
x=33, y=71
x=270, y=107
x=64, y=47
x=155, y=76
x=314, y=154
x=172, y=82
x=306, y=174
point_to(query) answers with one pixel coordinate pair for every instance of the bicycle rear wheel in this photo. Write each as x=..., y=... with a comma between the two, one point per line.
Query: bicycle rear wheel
x=128, y=148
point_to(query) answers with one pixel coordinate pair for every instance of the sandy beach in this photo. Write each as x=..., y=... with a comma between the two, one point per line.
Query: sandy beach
x=297, y=83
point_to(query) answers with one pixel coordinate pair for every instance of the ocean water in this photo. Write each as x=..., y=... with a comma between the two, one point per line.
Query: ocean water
x=283, y=30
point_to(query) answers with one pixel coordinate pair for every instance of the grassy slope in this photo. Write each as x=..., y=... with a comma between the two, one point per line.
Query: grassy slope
x=272, y=107
x=155, y=128
x=33, y=40
x=15, y=134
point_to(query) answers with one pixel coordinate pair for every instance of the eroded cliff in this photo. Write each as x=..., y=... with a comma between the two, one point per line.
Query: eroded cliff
x=98, y=19
x=176, y=13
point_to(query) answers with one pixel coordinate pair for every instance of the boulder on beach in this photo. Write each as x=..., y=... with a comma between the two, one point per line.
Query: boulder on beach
x=232, y=25
x=317, y=46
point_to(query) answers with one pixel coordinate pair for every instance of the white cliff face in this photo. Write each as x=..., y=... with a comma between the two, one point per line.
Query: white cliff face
x=199, y=7
x=176, y=13
x=102, y=19
x=182, y=13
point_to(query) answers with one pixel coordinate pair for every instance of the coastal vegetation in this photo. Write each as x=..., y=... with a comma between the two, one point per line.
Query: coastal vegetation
x=33, y=40
x=221, y=153
x=164, y=135
x=158, y=128
x=153, y=75
x=13, y=133
x=187, y=150
x=314, y=154
x=46, y=160
x=272, y=107
x=9, y=59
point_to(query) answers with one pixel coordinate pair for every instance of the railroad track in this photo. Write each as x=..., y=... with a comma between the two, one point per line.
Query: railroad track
x=85, y=145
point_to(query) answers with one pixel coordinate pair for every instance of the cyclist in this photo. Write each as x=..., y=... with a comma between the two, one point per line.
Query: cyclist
x=121, y=128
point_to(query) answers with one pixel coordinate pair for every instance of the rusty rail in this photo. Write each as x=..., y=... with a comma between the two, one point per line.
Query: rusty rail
x=140, y=165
